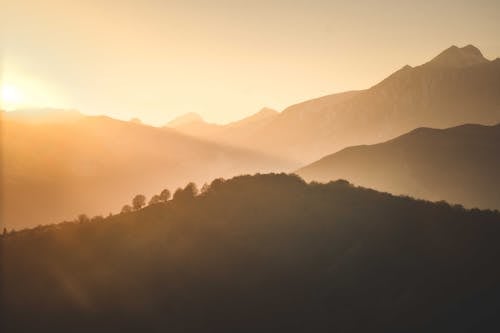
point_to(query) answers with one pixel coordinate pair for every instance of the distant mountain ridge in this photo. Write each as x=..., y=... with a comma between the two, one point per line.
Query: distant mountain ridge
x=457, y=86
x=185, y=119
x=77, y=163
x=459, y=164
x=264, y=114
x=235, y=133
x=459, y=57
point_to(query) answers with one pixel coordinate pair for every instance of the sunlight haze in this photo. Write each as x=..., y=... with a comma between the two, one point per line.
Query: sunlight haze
x=224, y=60
x=236, y=166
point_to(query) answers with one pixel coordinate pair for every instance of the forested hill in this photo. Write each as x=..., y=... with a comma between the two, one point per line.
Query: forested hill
x=263, y=253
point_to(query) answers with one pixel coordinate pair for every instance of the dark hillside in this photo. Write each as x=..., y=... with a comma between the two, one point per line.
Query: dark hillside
x=264, y=253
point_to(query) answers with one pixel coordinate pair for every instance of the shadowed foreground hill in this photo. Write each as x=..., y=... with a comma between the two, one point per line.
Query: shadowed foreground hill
x=65, y=163
x=459, y=165
x=265, y=253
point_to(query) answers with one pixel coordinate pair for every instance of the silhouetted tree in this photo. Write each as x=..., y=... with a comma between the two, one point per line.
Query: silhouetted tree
x=178, y=194
x=188, y=192
x=165, y=195
x=126, y=209
x=97, y=218
x=4, y=231
x=82, y=218
x=191, y=189
x=154, y=199
x=139, y=201
x=216, y=183
x=205, y=188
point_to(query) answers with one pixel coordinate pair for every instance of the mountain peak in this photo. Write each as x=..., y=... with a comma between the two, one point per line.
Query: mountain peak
x=265, y=112
x=459, y=57
x=263, y=115
x=187, y=118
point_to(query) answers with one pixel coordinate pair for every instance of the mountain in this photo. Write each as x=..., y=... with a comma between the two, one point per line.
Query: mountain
x=259, y=118
x=237, y=133
x=79, y=163
x=184, y=122
x=459, y=165
x=265, y=253
x=458, y=86
x=186, y=119
x=194, y=125
x=459, y=57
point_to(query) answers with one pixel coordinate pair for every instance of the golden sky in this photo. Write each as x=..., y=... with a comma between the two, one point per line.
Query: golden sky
x=223, y=59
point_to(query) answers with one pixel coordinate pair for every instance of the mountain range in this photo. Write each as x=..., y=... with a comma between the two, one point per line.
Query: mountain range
x=238, y=132
x=459, y=164
x=64, y=163
x=458, y=86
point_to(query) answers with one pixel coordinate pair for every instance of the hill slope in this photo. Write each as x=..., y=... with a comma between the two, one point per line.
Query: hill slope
x=459, y=164
x=264, y=253
x=75, y=164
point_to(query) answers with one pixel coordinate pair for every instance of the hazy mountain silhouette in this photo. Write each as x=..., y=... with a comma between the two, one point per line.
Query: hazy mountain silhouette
x=94, y=164
x=458, y=86
x=264, y=253
x=193, y=124
x=459, y=164
x=459, y=57
x=238, y=132
x=186, y=119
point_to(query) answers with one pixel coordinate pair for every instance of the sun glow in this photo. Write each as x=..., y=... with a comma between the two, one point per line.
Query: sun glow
x=11, y=97
x=23, y=91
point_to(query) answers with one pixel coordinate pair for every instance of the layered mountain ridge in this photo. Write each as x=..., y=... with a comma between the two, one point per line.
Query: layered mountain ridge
x=458, y=164
x=68, y=152
x=95, y=164
x=458, y=86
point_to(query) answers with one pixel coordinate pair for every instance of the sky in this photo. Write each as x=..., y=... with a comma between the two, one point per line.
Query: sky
x=223, y=59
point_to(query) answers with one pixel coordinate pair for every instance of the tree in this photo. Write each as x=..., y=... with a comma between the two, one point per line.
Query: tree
x=97, y=218
x=139, y=201
x=188, y=192
x=126, y=209
x=164, y=195
x=82, y=218
x=217, y=182
x=178, y=194
x=191, y=189
x=154, y=199
x=205, y=188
